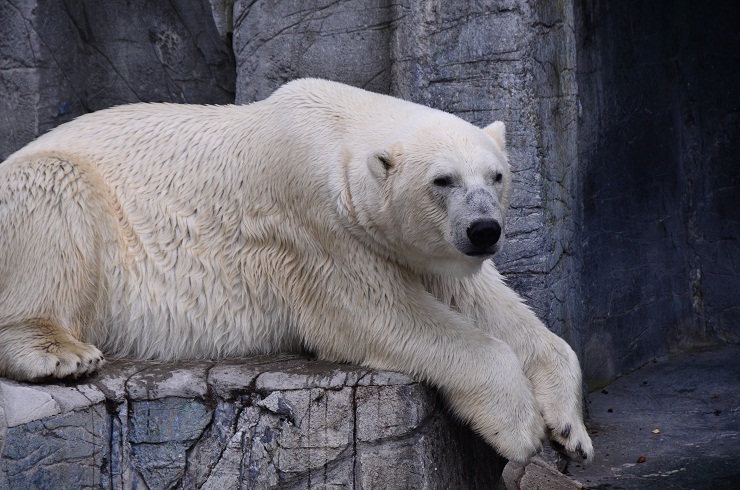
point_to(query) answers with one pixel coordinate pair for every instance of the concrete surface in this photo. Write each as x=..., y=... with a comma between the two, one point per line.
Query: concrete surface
x=693, y=400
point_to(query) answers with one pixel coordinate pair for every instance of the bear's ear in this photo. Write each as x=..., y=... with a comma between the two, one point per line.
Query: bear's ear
x=497, y=131
x=381, y=164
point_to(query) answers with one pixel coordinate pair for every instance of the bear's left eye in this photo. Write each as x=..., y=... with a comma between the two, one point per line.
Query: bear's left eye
x=443, y=181
x=498, y=177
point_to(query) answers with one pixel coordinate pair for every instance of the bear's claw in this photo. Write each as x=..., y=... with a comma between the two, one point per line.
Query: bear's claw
x=568, y=443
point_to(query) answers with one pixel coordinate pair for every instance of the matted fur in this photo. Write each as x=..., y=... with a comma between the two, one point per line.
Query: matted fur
x=308, y=220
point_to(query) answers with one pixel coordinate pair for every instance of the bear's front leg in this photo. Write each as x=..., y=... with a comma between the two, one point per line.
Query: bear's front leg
x=547, y=360
x=38, y=349
x=408, y=330
x=553, y=368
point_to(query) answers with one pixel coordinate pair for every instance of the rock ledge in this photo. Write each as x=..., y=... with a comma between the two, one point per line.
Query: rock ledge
x=280, y=421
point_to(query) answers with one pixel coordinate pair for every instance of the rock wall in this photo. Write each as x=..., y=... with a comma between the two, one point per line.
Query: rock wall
x=267, y=422
x=61, y=59
x=656, y=157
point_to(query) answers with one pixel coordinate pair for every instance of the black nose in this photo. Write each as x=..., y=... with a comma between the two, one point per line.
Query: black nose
x=484, y=233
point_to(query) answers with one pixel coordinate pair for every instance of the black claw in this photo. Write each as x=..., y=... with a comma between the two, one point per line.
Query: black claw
x=581, y=452
x=79, y=364
x=566, y=432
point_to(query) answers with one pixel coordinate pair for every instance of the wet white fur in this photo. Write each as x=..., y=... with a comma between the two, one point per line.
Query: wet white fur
x=172, y=231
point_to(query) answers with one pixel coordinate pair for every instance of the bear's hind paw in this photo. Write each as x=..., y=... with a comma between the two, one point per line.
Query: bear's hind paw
x=39, y=350
x=77, y=360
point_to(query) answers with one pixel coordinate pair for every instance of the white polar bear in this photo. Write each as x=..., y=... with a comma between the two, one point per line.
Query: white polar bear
x=327, y=218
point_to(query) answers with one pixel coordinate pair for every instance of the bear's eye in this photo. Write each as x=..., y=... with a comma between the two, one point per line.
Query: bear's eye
x=443, y=181
x=498, y=177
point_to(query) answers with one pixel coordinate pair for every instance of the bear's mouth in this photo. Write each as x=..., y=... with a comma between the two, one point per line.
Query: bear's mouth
x=482, y=254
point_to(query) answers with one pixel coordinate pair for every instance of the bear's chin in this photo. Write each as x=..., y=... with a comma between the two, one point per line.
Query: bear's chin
x=459, y=267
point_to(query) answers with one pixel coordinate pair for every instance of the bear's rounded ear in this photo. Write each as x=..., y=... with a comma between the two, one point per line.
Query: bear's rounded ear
x=497, y=131
x=381, y=164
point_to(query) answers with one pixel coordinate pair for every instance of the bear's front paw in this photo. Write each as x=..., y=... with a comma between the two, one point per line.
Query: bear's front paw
x=572, y=441
x=36, y=350
x=523, y=443
x=520, y=431
x=556, y=379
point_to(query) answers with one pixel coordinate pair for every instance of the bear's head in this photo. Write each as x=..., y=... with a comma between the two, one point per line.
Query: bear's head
x=437, y=196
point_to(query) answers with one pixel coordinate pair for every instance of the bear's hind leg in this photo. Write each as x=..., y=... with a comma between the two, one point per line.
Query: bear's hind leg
x=38, y=349
x=55, y=229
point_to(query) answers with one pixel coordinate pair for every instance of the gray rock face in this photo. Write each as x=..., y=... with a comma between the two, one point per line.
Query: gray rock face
x=275, y=42
x=59, y=60
x=658, y=132
x=266, y=422
x=19, y=78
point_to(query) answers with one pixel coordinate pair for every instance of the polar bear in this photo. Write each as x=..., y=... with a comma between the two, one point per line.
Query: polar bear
x=353, y=225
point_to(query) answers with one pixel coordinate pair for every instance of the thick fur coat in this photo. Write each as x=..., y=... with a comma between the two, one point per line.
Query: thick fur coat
x=327, y=218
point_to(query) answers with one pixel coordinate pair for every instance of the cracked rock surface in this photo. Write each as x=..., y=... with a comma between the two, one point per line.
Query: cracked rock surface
x=281, y=421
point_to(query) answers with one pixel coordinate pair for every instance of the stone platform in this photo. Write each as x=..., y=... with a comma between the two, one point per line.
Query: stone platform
x=266, y=422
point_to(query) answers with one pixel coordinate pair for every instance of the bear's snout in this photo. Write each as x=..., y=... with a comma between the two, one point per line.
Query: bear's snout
x=484, y=234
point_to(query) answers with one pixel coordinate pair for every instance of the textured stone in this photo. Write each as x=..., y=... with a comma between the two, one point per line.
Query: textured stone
x=19, y=76
x=279, y=41
x=59, y=60
x=223, y=18
x=378, y=416
x=657, y=132
x=304, y=435
x=68, y=450
x=315, y=374
x=160, y=434
x=215, y=425
x=230, y=377
x=537, y=475
x=162, y=381
x=23, y=404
